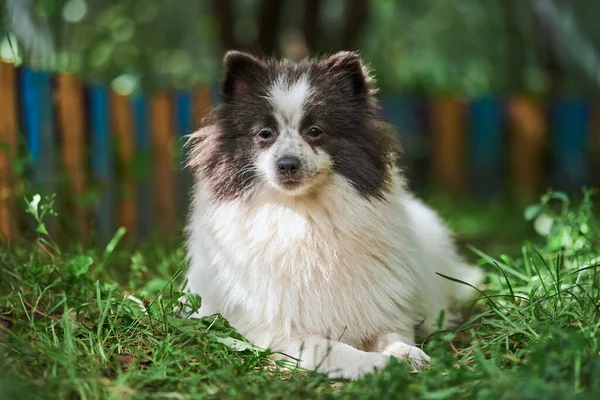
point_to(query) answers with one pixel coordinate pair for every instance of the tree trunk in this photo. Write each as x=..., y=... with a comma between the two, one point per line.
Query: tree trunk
x=515, y=53
x=549, y=57
x=223, y=10
x=357, y=15
x=310, y=26
x=269, y=22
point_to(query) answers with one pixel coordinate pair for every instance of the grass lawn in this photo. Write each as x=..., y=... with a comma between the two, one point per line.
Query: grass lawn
x=102, y=323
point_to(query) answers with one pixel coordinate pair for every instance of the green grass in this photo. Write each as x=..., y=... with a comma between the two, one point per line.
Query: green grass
x=101, y=324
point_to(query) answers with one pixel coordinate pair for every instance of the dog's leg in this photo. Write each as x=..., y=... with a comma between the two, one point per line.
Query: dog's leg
x=335, y=359
x=399, y=346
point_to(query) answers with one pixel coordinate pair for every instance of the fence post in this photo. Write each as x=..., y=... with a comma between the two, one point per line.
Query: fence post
x=102, y=160
x=183, y=104
x=71, y=122
x=162, y=140
x=202, y=102
x=448, y=142
x=38, y=125
x=570, y=130
x=8, y=150
x=143, y=164
x=403, y=113
x=123, y=131
x=486, y=145
x=35, y=118
x=528, y=131
x=595, y=145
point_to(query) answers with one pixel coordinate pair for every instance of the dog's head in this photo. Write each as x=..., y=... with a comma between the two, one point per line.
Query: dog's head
x=290, y=127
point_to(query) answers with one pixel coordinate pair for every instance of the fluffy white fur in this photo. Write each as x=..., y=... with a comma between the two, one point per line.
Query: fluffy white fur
x=334, y=279
x=287, y=100
x=326, y=275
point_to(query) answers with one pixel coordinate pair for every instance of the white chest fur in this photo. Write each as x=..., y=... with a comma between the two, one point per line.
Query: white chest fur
x=338, y=265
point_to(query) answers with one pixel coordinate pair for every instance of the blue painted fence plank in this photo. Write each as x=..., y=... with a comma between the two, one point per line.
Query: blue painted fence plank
x=143, y=164
x=102, y=160
x=31, y=113
x=38, y=125
x=486, y=145
x=570, y=128
x=47, y=155
x=183, y=116
x=183, y=104
x=402, y=112
x=215, y=91
x=405, y=113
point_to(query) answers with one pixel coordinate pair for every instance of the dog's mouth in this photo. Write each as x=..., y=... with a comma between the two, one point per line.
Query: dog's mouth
x=291, y=182
x=299, y=184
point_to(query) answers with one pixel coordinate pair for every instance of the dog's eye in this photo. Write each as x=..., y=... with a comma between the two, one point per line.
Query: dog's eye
x=265, y=134
x=315, y=132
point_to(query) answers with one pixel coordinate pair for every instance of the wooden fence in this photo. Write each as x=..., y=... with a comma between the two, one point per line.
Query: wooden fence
x=117, y=159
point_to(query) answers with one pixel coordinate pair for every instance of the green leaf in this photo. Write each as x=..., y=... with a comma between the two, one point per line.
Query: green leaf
x=110, y=247
x=138, y=263
x=560, y=196
x=555, y=242
x=543, y=224
x=155, y=285
x=194, y=301
x=42, y=229
x=33, y=206
x=186, y=325
x=237, y=345
x=532, y=211
x=80, y=265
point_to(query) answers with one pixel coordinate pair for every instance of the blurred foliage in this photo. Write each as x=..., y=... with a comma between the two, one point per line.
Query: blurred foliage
x=420, y=46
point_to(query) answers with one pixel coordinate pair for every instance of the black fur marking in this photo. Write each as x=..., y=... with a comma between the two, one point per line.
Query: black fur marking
x=240, y=71
x=361, y=145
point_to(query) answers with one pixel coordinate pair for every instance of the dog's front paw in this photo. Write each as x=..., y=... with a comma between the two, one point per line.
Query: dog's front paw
x=417, y=357
x=367, y=363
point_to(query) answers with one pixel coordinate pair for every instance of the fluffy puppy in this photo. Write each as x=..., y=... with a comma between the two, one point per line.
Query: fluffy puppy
x=302, y=232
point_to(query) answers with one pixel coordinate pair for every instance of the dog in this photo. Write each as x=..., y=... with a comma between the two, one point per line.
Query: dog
x=302, y=232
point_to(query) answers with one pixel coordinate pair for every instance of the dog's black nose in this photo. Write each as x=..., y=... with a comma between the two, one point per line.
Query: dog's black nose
x=288, y=165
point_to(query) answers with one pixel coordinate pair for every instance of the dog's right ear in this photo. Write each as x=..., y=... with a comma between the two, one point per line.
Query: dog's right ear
x=348, y=67
x=241, y=69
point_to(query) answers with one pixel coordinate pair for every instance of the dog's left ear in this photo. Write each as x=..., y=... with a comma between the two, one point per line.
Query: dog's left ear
x=347, y=65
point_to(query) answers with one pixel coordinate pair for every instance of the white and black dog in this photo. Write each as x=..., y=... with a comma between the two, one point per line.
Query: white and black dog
x=302, y=232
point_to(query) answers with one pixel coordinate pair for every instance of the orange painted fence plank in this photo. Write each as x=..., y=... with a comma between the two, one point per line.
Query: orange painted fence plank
x=8, y=150
x=449, y=152
x=528, y=133
x=71, y=122
x=162, y=132
x=202, y=103
x=124, y=135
